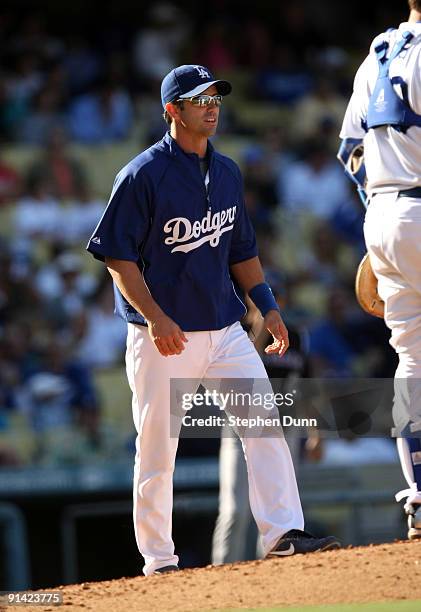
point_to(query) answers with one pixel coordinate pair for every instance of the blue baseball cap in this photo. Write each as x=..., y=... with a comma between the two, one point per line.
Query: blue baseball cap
x=188, y=81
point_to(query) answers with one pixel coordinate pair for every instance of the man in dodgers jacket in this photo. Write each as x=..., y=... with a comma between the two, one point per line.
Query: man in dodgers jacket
x=174, y=234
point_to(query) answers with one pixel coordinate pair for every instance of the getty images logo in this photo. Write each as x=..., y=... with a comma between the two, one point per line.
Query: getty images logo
x=209, y=229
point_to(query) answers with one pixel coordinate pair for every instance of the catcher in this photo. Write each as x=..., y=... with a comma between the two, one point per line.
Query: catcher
x=381, y=153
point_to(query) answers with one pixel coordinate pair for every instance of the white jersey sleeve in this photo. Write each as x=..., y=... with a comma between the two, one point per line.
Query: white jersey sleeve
x=358, y=104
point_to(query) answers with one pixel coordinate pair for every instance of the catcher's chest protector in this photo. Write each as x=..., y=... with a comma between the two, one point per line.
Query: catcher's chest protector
x=385, y=106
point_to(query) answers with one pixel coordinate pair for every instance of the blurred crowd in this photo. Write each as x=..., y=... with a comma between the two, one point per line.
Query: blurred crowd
x=60, y=88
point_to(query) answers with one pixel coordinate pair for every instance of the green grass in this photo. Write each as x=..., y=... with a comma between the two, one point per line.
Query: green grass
x=385, y=606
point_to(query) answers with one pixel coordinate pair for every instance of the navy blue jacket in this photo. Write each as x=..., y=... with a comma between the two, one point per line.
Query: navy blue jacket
x=182, y=236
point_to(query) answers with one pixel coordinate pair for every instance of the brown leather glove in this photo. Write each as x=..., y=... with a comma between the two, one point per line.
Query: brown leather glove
x=366, y=289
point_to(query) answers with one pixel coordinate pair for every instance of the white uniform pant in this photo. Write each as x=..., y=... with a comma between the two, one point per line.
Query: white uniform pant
x=392, y=232
x=235, y=537
x=221, y=354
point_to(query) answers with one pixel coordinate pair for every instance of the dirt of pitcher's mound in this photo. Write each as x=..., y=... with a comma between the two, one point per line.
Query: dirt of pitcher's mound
x=387, y=572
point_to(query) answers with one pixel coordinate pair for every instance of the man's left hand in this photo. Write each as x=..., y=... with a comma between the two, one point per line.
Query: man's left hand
x=274, y=324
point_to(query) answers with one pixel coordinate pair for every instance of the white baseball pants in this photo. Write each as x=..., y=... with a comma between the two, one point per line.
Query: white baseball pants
x=221, y=354
x=234, y=537
x=392, y=232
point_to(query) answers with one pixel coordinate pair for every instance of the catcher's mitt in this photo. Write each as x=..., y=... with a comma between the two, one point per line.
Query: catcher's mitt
x=366, y=289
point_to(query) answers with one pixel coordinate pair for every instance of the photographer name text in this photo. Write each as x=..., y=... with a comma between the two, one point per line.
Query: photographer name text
x=249, y=422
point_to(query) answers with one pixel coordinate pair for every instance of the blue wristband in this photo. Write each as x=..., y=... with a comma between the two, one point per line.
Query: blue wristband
x=263, y=297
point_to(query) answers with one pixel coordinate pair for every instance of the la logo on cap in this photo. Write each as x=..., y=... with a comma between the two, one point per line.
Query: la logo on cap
x=204, y=74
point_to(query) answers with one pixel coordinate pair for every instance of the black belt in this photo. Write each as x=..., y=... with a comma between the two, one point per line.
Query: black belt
x=415, y=192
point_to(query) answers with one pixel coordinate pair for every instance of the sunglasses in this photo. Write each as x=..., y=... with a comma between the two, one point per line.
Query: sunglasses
x=203, y=100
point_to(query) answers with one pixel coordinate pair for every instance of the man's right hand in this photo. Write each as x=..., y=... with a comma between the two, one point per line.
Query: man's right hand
x=166, y=335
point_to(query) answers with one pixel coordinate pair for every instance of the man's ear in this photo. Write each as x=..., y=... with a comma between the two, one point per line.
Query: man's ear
x=172, y=110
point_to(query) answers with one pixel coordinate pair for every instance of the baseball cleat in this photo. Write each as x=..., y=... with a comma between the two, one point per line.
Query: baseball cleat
x=166, y=569
x=414, y=521
x=296, y=542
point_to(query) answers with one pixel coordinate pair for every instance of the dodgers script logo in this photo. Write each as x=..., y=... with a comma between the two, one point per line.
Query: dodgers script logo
x=209, y=229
